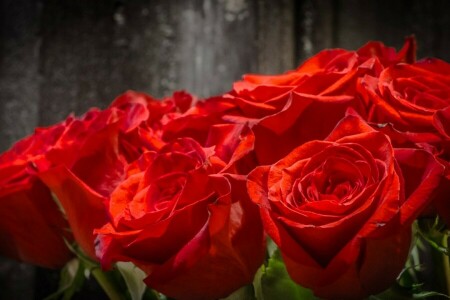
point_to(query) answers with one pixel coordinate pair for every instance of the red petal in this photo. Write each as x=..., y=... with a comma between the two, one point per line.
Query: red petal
x=83, y=206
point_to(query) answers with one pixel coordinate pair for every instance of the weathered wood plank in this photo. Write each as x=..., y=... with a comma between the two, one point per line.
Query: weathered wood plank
x=143, y=46
x=19, y=78
x=76, y=42
x=92, y=51
x=391, y=21
x=316, y=27
x=217, y=44
x=275, y=36
x=430, y=21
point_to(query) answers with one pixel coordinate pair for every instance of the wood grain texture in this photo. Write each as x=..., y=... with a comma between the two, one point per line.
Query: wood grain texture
x=19, y=62
x=217, y=43
x=391, y=21
x=93, y=50
x=74, y=57
x=275, y=36
x=316, y=27
x=19, y=80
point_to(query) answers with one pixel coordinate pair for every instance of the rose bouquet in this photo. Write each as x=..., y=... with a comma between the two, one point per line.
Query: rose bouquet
x=329, y=181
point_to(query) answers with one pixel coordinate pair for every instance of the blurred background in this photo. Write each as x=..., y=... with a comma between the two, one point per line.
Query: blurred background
x=58, y=57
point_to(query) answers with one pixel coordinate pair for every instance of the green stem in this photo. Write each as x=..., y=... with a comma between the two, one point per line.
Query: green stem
x=107, y=284
x=446, y=264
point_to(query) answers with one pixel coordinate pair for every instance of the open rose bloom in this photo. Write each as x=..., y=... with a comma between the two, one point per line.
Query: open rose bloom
x=342, y=165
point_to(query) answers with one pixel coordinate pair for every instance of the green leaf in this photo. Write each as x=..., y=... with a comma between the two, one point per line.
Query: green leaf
x=397, y=292
x=108, y=280
x=433, y=231
x=271, y=247
x=134, y=279
x=424, y=295
x=273, y=282
x=71, y=280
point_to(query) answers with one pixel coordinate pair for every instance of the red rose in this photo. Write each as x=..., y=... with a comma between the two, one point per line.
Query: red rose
x=341, y=209
x=33, y=169
x=415, y=102
x=387, y=55
x=32, y=228
x=306, y=103
x=144, y=119
x=414, y=97
x=192, y=229
x=100, y=150
x=81, y=160
x=195, y=122
x=83, y=183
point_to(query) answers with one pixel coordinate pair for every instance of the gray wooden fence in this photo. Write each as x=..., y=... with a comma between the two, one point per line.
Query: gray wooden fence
x=62, y=56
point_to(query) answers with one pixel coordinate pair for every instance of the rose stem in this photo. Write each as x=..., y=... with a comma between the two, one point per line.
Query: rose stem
x=105, y=282
x=446, y=263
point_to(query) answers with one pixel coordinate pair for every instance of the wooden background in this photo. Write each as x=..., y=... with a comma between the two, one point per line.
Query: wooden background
x=63, y=56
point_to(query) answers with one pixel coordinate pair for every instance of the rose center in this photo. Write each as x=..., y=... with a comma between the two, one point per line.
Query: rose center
x=336, y=179
x=324, y=187
x=164, y=191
